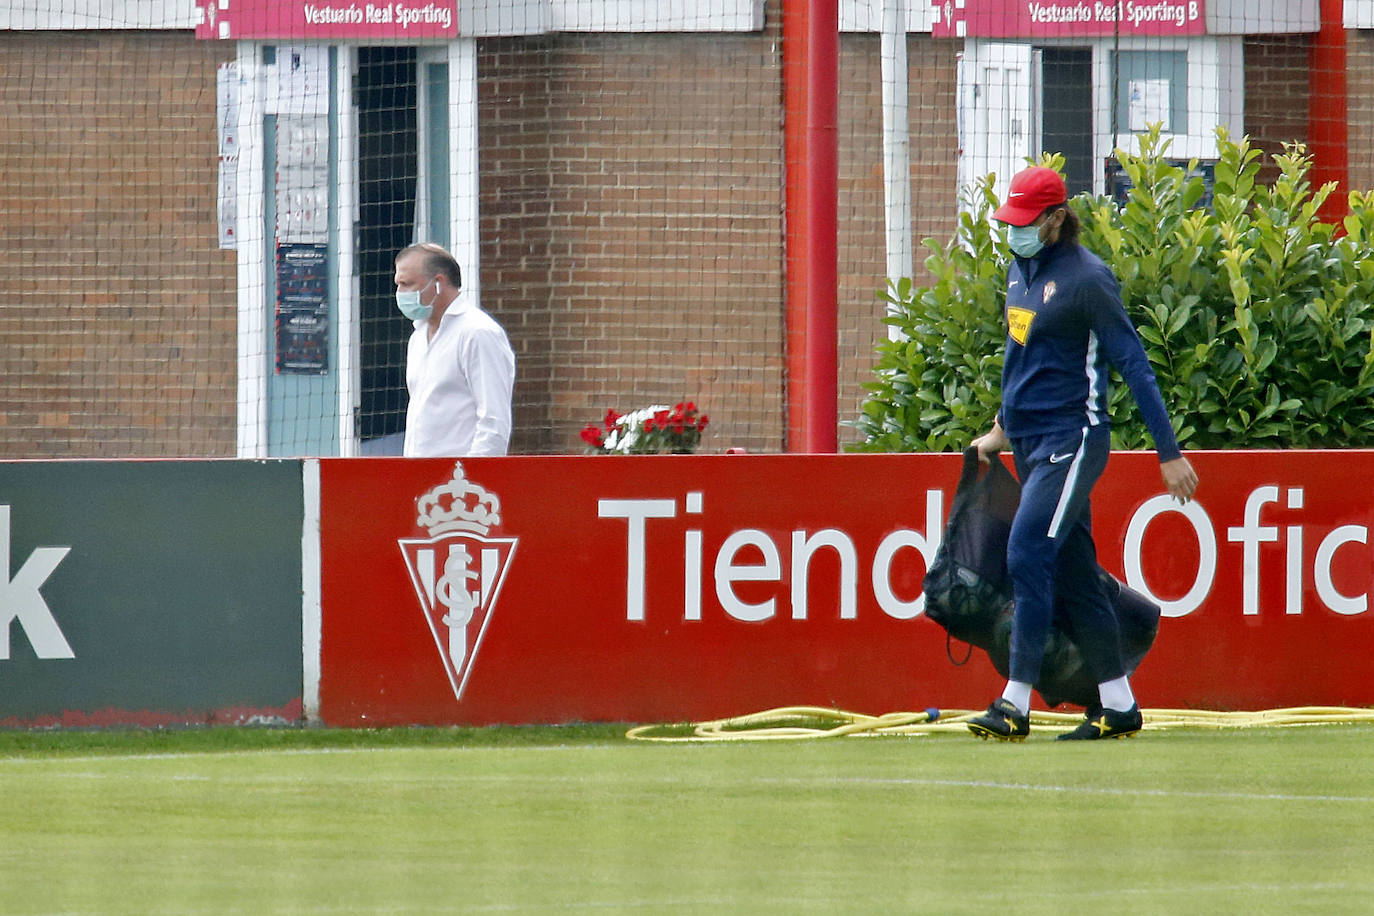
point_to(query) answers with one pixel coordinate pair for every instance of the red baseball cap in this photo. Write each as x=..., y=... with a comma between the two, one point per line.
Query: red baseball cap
x=1032, y=190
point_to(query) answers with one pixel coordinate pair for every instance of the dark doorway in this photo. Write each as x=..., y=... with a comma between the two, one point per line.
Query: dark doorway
x=1067, y=103
x=385, y=94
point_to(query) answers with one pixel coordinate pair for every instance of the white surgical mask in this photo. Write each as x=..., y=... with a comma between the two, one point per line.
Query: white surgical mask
x=1024, y=241
x=408, y=301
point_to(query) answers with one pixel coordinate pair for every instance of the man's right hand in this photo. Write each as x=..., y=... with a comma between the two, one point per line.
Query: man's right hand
x=990, y=443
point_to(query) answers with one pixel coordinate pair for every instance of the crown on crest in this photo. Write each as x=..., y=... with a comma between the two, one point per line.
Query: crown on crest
x=458, y=505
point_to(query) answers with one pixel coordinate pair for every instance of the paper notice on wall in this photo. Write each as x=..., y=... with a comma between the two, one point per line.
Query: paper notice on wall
x=228, y=202
x=227, y=107
x=303, y=205
x=1150, y=104
x=302, y=319
x=302, y=83
x=227, y=127
x=302, y=179
x=302, y=141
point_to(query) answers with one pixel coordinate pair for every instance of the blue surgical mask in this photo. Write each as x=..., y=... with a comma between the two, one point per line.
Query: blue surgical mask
x=408, y=301
x=1024, y=241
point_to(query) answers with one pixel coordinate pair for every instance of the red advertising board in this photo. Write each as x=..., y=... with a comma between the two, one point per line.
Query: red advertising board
x=672, y=588
x=1066, y=18
x=298, y=20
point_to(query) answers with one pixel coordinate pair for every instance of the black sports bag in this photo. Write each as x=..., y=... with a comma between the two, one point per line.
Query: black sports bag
x=968, y=591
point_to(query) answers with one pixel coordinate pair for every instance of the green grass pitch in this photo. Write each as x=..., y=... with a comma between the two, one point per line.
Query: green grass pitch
x=1268, y=820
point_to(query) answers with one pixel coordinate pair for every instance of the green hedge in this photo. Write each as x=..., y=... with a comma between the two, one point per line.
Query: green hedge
x=1256, y=315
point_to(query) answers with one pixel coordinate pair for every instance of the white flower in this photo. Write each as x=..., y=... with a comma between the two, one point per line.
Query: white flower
x=629, y=428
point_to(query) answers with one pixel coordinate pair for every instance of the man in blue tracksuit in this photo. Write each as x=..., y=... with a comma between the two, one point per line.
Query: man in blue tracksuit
x=1065, y=328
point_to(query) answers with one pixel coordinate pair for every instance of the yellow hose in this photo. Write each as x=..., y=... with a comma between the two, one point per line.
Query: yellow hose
x=795, y=723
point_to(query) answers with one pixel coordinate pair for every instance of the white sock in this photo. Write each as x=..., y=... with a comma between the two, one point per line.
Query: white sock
x=1116, y=695
x=1018, y=695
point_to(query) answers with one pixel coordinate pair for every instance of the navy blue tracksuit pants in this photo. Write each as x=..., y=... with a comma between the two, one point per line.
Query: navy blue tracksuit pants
x=1051, y=556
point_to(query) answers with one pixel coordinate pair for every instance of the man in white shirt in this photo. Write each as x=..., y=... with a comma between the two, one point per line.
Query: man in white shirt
x=460, y=369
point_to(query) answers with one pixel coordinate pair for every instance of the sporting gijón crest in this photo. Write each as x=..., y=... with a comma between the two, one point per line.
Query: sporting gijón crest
x=458, y=570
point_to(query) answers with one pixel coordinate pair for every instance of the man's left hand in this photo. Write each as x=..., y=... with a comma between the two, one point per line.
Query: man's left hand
x=1179, y=478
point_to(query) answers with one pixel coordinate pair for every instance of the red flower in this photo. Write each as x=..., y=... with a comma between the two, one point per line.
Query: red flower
x=676, y=429
x=702, y=421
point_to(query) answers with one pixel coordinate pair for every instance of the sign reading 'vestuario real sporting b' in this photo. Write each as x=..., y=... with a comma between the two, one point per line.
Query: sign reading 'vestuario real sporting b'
x=1067, y=18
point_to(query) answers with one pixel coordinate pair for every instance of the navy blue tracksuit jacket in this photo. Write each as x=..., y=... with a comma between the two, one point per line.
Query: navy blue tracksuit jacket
x=1066, y=328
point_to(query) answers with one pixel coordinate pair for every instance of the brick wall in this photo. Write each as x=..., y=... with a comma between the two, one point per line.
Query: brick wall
x=515, y=177
x=632, y=233
x=1276, y=94
x=632, y=227
x=632, y=197
x=934, y=149
x=1359, y=76
x=117, y=310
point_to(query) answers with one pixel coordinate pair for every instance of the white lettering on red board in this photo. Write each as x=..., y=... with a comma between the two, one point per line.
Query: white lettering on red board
x=728, y=568
x=1137, y=14
x=804, y=546
x=379, y=14
x=1250, y=534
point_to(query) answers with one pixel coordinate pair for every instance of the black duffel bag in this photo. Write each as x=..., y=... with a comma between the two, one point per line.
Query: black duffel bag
x=968, y=591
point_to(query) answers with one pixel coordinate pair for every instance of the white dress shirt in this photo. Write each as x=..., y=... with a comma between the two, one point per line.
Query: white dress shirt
x=460, y=385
